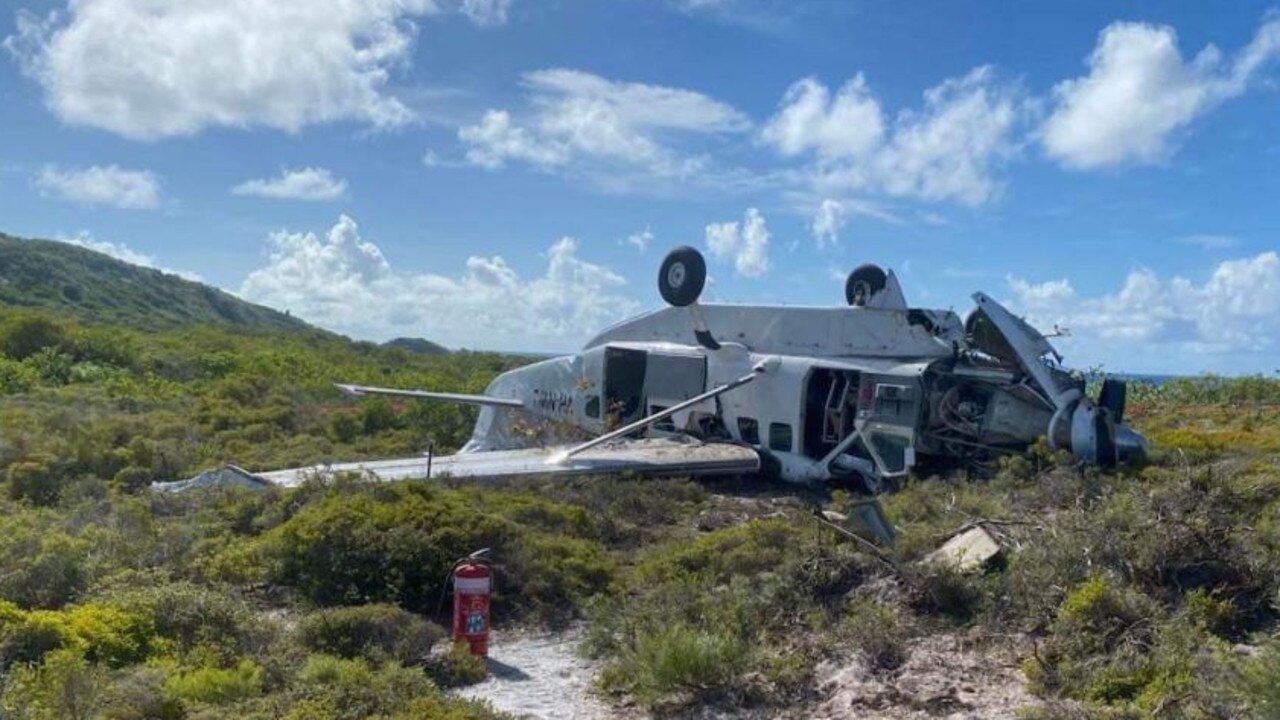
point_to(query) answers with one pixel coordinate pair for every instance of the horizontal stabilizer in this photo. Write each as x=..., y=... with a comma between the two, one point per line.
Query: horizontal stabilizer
x=361, y=390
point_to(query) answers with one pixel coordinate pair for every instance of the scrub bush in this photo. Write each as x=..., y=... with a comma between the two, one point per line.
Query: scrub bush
x=457, y=667
x=396, y=543
x=64, y=687
x=879, y=632
x=217, y=686
x=374, y=632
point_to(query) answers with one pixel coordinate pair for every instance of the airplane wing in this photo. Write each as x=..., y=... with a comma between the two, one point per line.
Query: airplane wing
x=360, y=390
x=649, y=457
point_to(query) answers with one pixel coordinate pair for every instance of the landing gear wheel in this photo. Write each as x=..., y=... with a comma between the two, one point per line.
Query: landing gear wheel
x=864, y=281
x=682, y=276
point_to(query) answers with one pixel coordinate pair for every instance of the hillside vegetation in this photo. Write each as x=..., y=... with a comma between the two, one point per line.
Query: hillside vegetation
x=1151, y=590
x=80, y=283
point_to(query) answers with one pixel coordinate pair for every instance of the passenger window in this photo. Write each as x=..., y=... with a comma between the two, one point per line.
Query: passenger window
x=593, y=407
x=749, y=430
x=780, y=437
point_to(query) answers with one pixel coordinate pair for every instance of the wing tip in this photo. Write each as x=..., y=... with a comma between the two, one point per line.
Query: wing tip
x=352, y=390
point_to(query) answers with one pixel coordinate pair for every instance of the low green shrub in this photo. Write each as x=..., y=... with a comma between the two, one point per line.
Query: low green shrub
x=1258, y=682
x=457, y=667
x=36, y=480
x=358, y=689
x=396, y=543
x=101, y=633
x=879, y=632
x=680, y=657
x=1098, y=647
x=138, y=693
x=376, y=632
x=217, y=686
x=188, y=616
x=65, y=686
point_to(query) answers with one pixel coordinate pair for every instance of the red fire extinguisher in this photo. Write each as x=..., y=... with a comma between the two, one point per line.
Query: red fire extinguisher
x=472, y=587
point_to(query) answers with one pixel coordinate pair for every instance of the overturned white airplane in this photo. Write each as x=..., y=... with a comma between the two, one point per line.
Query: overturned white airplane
x=858, y=394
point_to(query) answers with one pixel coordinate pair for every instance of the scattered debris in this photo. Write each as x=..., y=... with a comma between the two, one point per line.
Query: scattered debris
x=971, y=549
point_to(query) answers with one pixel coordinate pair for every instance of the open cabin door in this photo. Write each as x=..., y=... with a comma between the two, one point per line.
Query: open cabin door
x=624, y=374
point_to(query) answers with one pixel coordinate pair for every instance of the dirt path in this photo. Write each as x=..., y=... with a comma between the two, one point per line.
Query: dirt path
x=540, y=676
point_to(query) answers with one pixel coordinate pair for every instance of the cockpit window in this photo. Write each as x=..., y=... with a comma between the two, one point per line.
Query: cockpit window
x=749, y=430
x=892, y=450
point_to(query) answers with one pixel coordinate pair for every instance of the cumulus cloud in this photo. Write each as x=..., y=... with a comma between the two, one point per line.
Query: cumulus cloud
x=576, y=116
x=1140, y=93
x=948, y=149
x=745, y=244
x=122, y=252
x=147, y=69
x=98, y=185
x=827, y=222
x=310, y=183
x=1230, y=320
x=850, y=125
x=344, y=282
x=496, y=140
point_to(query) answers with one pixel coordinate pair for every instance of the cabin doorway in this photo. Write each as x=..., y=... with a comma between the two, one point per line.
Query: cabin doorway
x=624, y=373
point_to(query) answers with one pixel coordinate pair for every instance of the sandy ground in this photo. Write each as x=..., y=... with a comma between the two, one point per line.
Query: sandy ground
x=540, y=676
x=946, y=676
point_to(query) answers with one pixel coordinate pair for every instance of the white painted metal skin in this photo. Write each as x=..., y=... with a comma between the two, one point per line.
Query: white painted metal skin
x=531, y=417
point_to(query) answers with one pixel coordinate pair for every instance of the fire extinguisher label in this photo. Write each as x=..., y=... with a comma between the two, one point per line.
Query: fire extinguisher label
x=475, y=623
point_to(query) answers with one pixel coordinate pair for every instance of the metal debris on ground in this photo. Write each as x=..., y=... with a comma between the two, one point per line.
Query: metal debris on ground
x=971, y=549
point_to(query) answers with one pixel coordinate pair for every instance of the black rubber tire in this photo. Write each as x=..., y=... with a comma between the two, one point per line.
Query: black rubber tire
x=1112, y=397
x=682, y=276
x=865, y=281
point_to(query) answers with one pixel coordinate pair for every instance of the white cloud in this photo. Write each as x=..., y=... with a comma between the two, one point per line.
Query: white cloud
x=496, y=141
x=640, y=240
x=98, y=185
x=809, y=119
x=1140, y=93
x=946, y=150
x=305, y=184
x=146, y=69
x=486, y=13
x=578, y=116
x=747, y=245
x=827, y=222
x=1233, y=318
x=121, y=252
x=343, y=282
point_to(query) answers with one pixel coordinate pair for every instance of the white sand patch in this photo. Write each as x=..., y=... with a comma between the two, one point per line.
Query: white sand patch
x=540, y=676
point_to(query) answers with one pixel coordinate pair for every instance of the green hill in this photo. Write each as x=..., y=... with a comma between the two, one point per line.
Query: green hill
x=96, y=288
x=417, y=345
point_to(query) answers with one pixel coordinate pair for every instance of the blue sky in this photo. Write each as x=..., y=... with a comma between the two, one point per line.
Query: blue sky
x=508, y=173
